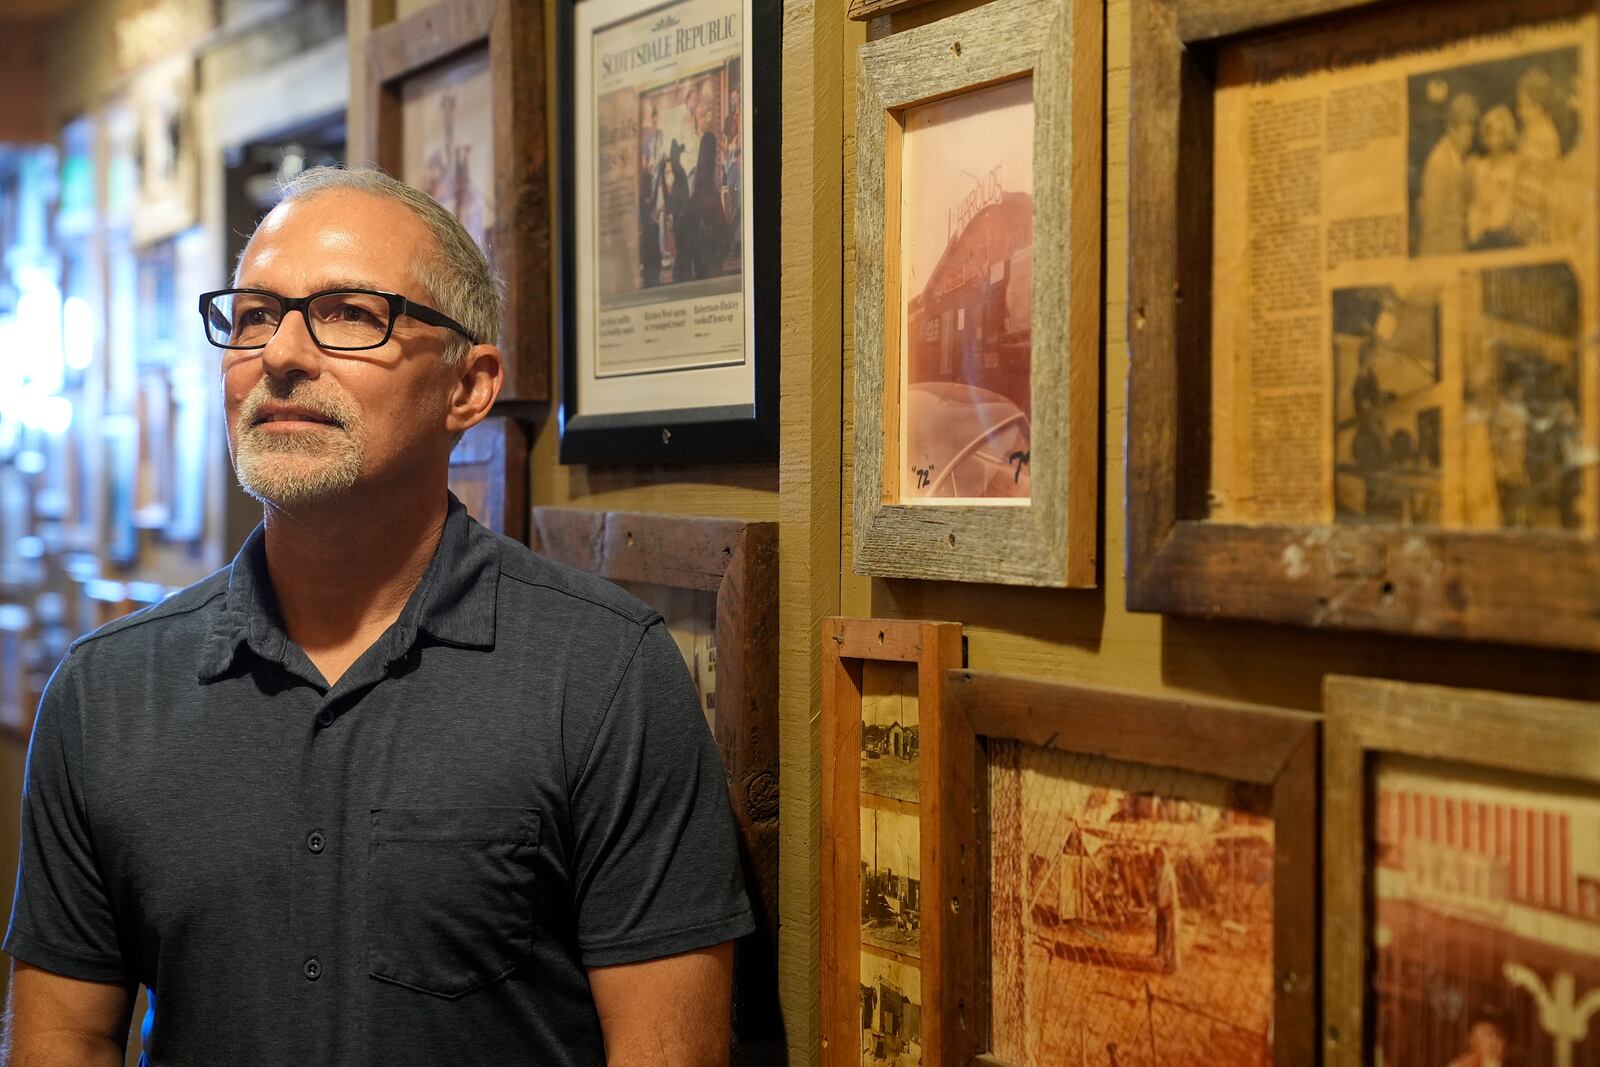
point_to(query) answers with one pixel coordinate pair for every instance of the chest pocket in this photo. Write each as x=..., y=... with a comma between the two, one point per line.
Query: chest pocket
x=450, y=896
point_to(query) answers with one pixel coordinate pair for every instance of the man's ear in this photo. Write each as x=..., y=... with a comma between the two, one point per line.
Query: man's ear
x=476, y=384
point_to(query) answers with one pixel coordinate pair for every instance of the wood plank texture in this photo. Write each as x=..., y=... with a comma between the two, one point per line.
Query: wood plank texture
x=1265, y=746
x=1556, y=740
x=1051, y=541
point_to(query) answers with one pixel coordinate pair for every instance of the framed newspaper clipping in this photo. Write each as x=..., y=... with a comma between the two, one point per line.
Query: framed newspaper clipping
x=1363, y=299
x=669, y=218
x=978, y=297
x=456, y=105
x=1461, y=882
x=883, y=801
x=1128, y=878
x=715, y=583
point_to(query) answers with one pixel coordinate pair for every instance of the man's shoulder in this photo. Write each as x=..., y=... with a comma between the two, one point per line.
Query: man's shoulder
x=187, y=608
x=568, y=596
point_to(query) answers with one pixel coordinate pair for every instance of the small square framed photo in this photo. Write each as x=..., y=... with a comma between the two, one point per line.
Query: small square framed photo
x=978, y=297
x=1126, y=878
x=1362, y=298
x=489, y=473
x=1461, y=876
x=671, y=144
x=456, y=95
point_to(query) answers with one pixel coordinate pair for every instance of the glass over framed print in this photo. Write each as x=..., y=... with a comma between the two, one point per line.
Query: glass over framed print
x=669, y=207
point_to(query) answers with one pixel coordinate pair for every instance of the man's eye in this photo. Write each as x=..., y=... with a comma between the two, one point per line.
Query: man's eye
x=353, y=313
x=255, y=317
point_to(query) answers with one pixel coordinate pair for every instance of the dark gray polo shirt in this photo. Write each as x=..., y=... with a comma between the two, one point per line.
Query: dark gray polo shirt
x=413, y=867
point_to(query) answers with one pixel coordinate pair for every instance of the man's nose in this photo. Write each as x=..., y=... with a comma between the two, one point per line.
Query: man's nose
x=292, y=352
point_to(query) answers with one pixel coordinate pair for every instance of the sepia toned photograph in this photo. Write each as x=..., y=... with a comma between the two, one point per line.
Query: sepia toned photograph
x=447, y=119
x=1486, y=922
x=1387, y=408
x=890, y=731
x=891, y=881
x=691, y=618
x=1494, y=154
x=966, y=267
x=1132, y=919
x=1523, y=432
x=891, y=1012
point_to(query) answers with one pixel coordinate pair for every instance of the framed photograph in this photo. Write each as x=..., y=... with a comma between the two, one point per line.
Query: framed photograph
x=1364, y=254
x=882, y=801
x=978, y=297
x=1461, y=877
x=489, y=472
x=1131, y=879
x=165, y=155
x=715, y=582
x=671, y=137
x=456, y=95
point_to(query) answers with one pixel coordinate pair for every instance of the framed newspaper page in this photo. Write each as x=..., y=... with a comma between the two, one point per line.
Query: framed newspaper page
x=883, y=899
x=1364, y=293
x=669, y=218
x=1130, y=878
x=978, y=297
x=456, y=105
x=1461, y=883
x=715, y=583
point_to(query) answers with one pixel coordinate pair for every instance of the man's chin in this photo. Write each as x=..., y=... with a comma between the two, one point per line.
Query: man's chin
x=289, y=483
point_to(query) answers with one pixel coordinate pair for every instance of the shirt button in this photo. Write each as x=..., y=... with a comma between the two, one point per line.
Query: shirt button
x=313, y=969
x=315, y=841
x=324, y=718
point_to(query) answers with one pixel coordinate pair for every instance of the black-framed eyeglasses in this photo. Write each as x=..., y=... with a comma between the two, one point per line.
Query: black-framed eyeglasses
x=340, y=320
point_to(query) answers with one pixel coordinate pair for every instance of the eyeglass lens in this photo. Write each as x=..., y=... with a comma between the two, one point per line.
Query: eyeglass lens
x=336, y=320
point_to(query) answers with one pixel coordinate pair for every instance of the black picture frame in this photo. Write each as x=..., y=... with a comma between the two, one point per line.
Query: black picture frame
x=703, y=434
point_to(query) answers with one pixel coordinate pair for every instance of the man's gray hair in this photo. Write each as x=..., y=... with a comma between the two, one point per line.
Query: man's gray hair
x=458, y=278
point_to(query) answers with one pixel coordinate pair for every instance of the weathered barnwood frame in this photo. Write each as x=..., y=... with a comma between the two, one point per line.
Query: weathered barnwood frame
x=1051, y=540
x=1368, y=719
x=935, y=648
x=513, y=31
x=1494, y=586
x=1238, y=742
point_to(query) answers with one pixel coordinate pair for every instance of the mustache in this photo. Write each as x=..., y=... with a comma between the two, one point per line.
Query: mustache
x=301, y=395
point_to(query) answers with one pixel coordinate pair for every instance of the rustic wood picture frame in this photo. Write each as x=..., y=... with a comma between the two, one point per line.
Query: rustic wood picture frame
x=513, y=31
x=1367, y=718
x=490, y=464
x=1050, y=540
x=1491, y=586
x=935, y=648
x=737, y=561
x=1241, y=743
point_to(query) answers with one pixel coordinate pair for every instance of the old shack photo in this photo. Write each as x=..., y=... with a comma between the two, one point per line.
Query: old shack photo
x=967, y=280
x=1132, y=916
x=891, y=730
x=1495, y=157
x=891, y=881
x=1388, y=405
x=891, y=1012
x=1486, y=920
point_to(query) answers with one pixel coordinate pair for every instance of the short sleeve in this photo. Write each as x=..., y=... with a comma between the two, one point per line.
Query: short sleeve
x=656, y=861
x=61, y=920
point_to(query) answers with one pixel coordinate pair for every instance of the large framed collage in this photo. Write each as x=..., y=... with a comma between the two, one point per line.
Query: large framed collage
x=668, y=187
x=1362, y=285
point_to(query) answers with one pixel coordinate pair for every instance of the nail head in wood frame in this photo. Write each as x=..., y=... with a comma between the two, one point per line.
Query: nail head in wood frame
x=1456, y=821
x=1119, y=803
x=1402, y=543
x=977, y=426
x=882, y=923
x=716, y=583
x=476, y=49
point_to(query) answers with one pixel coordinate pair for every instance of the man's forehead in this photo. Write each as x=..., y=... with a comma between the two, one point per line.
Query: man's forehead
x=333, y=239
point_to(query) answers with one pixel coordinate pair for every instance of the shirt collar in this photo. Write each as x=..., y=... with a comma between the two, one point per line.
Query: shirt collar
x=454, y=603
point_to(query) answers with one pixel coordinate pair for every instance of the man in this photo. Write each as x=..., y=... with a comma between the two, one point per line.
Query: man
x=1442, y=204
x=390, y=789
x=1486, y=1044
x=1166, y=911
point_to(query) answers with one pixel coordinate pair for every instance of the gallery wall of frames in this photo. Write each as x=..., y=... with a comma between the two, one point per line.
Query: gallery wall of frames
x=1122, y=475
